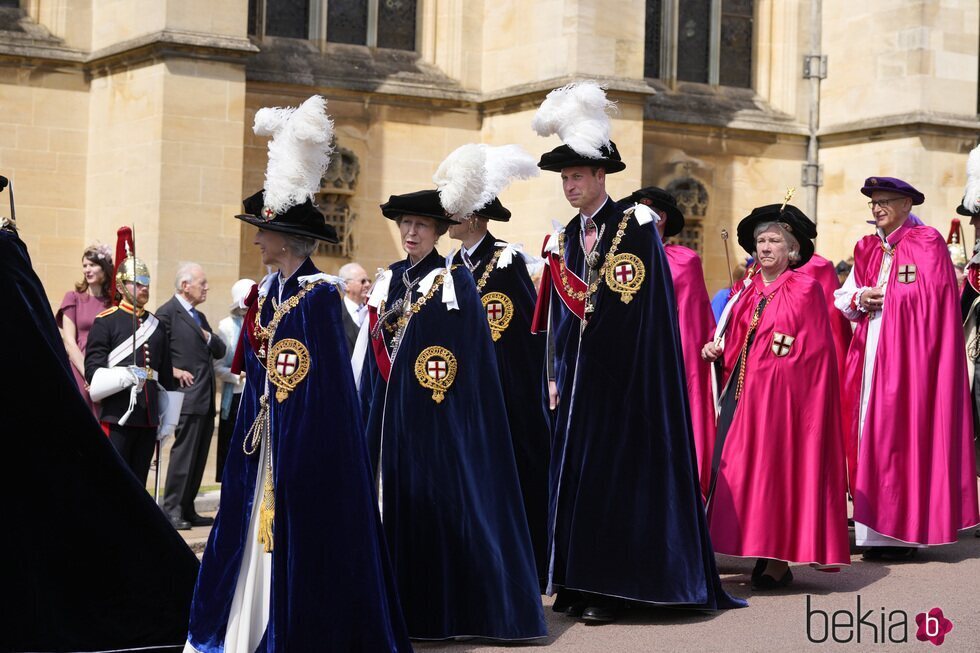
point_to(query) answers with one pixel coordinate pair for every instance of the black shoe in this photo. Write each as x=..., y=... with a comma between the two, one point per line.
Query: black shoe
x=565, y=599
x=602, y=610
x=872, y=553
x=180, y=524
x=766, y=582
x=898, y=553
x=198, y=520
x=576, y=609
x=760, y=566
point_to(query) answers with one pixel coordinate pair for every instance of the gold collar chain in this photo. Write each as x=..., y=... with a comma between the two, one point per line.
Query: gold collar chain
x=413, y=308
x=266, y=333
x=487, y=270
x=606, y=262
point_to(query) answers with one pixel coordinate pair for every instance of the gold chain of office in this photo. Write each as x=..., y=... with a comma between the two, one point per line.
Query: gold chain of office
x=413, y=308
x=487, y=270
x=606, y=262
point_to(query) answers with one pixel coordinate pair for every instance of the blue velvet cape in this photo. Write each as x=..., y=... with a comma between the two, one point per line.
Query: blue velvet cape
x=451, y=499
x=627, y=518
x=521, y=363
x=89, y=560
x=332, y=588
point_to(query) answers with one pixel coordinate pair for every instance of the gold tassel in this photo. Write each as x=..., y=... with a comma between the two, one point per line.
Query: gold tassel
x=267, y=513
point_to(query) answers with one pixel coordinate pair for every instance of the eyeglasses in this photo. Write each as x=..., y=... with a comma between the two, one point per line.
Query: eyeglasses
x=885, y=202
x=362, y=280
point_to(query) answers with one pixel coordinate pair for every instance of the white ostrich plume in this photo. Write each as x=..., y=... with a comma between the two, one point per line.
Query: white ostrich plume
x=578, y=114
x=971, y=195
x=460, y=180
x=299, y=151
x=503, y=165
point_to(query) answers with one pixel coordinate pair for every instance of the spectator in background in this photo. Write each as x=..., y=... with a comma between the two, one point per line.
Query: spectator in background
x=230, y=329
x=79, y=308
x=193, y=347
x=721, y=297
x=844, y=269
x=355, y=300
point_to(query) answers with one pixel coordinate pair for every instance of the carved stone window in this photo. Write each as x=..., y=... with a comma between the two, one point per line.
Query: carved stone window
x=692, y=200
x=705, y=41
x=336, y=188
x=374, y=23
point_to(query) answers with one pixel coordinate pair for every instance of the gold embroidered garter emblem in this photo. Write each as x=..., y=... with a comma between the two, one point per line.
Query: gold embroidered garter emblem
x=435, y=368
x=500, y=311
x=624, y=275
x=287, y=365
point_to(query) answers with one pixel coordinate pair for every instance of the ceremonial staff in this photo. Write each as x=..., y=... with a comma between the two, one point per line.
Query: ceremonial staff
x=4, y=183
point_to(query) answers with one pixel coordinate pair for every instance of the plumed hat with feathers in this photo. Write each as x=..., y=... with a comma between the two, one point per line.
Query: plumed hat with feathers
x=579, y=114
x=473, y=175
x=971, y=194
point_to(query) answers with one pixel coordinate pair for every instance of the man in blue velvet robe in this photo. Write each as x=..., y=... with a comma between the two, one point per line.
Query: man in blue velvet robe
x=626, y=516
x=508, y=298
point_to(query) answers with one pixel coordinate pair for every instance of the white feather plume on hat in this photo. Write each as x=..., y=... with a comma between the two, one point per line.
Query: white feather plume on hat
x=460, y=179
x=299, y=151
x=503, y=165
x=578, y=114
x=971, y=195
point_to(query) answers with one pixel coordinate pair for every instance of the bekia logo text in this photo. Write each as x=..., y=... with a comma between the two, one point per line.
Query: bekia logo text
x=873, y=625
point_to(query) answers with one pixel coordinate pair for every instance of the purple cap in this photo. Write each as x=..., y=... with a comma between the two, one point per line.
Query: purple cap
x=894, y=185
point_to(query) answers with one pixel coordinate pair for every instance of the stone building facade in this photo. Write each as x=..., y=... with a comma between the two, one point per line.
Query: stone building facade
x=139, y=112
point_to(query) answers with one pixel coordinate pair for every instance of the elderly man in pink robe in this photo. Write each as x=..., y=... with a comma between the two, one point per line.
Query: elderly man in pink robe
x=695, y=319
x=907, y=408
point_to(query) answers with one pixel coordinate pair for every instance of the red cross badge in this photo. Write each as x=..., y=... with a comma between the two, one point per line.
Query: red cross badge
x=782, y=344
x=624, y=275
x=268, y=214
x=500, y=311
x=435, y=369
x=287, y=364
x=906, y=274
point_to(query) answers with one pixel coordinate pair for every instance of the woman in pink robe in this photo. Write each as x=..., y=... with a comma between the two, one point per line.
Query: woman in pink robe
x=694, y=318
x=79, y=308
x=778, y=466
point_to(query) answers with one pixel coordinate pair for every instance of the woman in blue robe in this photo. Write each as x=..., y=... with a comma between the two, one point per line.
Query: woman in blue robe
x=449, y=493
x=296, y=560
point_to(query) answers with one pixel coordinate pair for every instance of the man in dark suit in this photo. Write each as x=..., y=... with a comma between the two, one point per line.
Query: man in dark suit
x=358, y=287
x=193, y=348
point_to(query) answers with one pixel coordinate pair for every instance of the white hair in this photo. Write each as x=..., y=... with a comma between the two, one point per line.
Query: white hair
x=185, y=272
x=347, y=270
x=300, y=246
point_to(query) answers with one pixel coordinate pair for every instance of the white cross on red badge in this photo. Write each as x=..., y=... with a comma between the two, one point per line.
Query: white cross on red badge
x=436, y=369
x=495, y=310
x=624, y=273
x=286, y=364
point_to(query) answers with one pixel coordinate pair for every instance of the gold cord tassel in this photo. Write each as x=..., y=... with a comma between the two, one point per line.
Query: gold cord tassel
x=267, y=513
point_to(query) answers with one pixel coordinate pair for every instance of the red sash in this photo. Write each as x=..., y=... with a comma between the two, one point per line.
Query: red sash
x=552, y=276
x=381, y=355
x=248, y=332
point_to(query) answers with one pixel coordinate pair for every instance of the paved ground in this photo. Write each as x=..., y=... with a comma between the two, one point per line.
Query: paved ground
x=946, y=577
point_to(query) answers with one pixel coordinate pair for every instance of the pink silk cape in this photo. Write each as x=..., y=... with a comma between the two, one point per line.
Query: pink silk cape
x=697, y=326
x=915, y=465
x=823, y=271
x=780, y=489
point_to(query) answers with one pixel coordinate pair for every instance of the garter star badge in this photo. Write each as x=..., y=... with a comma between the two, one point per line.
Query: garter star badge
x=287, y=365
x=624, y=275
x=500, y=311
x=435, y=368
x=782, y=344
x=906, y=274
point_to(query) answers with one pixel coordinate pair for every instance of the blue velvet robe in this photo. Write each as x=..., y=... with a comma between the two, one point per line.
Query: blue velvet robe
x=332, y=588
x=450, y=495
x=89, y=561
x=521, y=363
x=627, y=518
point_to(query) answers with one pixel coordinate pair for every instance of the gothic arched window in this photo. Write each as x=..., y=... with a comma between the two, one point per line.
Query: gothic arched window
x=692, y=200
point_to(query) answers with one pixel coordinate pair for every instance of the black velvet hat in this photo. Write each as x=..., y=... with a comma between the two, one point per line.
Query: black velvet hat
x=960, y=209
x=494, y=211
x=565, y=157
x=795, y=220
x=423, y=202
x=658, y=198
x=300, y=220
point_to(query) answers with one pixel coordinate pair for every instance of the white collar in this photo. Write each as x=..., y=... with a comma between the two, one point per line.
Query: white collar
x=183, y=302
x=583, y=218
x=469, y=250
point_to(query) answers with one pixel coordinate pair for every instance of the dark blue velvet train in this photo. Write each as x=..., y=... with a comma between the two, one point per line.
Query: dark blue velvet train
x=626, y=513
x=332, y=588
x=450, y=495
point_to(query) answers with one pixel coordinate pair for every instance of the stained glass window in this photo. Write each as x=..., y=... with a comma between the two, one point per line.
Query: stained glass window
x=347, y=21
x=396, y=24
x=693, y=39
x=735, y=65
x=651, y=43
x=289, y=18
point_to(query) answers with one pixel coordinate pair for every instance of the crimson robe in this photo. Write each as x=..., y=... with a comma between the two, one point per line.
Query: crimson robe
x=915, y=476
x=697, y=326
x=778, y=492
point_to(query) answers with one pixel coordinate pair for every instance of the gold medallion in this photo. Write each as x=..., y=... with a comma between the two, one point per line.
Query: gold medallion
x=624, y=275
x=435, y=368
x=287, y=365
x=500, y=311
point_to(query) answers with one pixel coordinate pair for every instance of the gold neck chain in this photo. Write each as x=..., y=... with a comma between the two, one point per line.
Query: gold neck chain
x=487, y=270
x=413, y=308
x=606, y=262
x=266, y=333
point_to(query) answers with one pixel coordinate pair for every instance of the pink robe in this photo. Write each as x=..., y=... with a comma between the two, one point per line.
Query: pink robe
x=915, y=464
x=697, y=326
x=779, y=489
x=826, y=275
